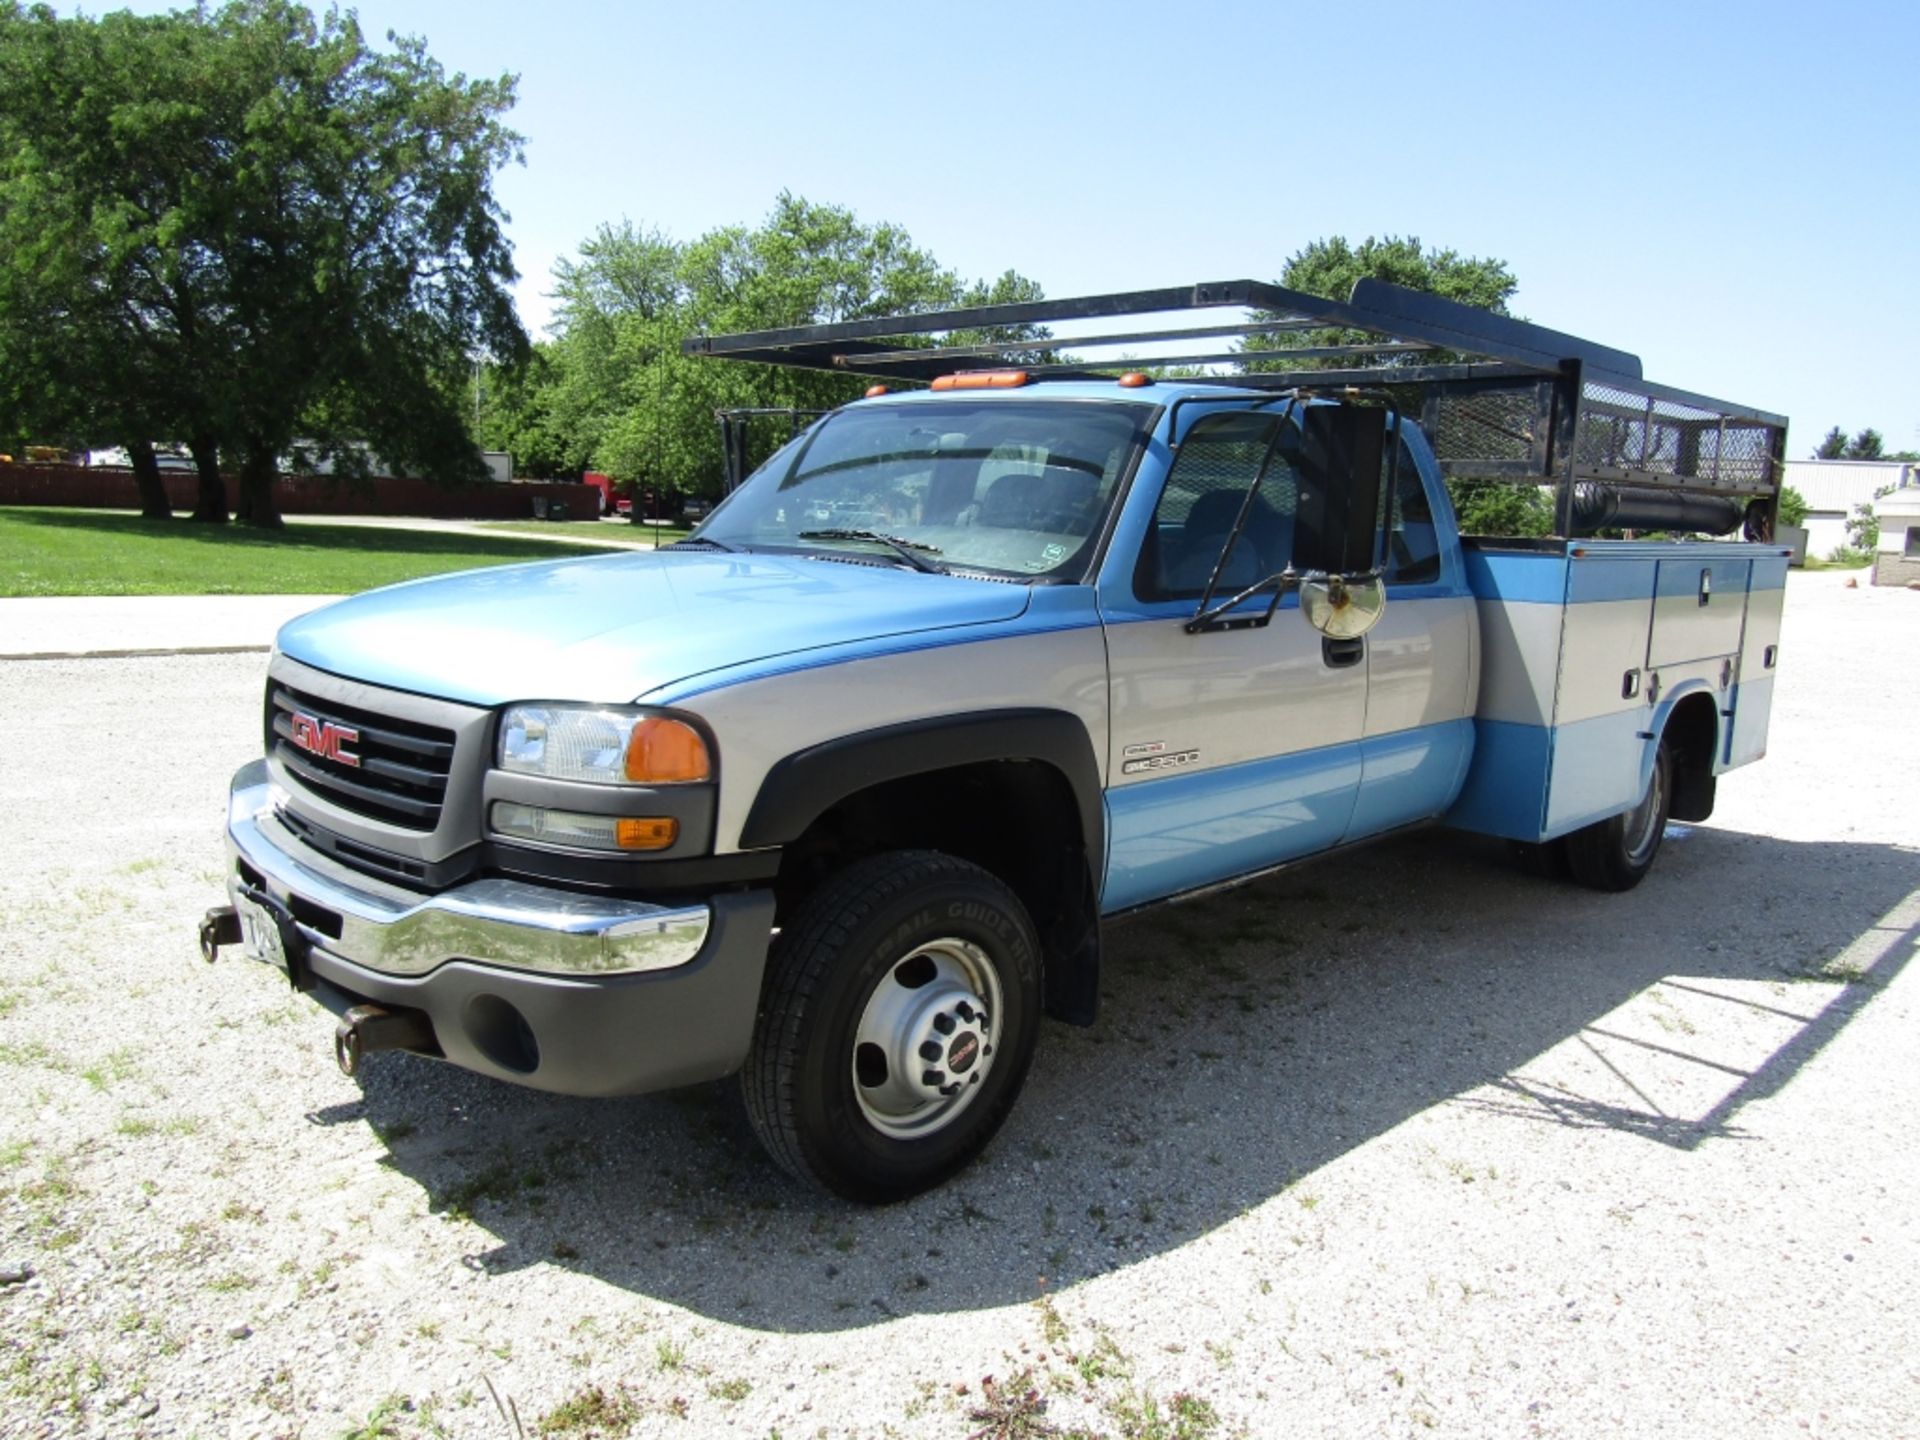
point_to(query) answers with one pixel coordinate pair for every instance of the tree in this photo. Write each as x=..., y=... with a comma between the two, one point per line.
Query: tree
x=621, y=395
x=1329, y=268
x=1867, y=445
x=1793, y=507
x=1332, y=267
x=278, y=231
x=1863, y=529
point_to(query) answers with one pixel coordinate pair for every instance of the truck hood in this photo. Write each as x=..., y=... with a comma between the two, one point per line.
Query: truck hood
x=611, y=628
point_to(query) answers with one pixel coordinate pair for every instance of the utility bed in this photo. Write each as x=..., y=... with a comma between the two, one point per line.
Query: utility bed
x=1587, y=648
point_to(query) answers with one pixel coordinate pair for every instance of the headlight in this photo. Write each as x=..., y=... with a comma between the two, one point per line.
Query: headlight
x=602, y=745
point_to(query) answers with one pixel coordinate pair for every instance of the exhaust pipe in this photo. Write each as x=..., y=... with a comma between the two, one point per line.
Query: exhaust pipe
x=219, y=926
x=367, y=1028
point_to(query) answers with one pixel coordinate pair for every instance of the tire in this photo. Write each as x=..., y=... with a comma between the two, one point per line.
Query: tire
x=896, y=1026
x=1615, y=855
x=1547, y=859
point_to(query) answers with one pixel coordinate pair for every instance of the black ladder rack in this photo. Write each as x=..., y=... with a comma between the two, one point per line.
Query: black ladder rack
x=1499, y=398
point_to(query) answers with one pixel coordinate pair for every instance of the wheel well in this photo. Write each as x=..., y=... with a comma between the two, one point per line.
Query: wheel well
x=1017, y=819
x=1693, y=738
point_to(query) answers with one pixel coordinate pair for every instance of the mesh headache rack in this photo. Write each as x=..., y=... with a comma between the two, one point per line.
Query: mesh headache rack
x=1500, y=399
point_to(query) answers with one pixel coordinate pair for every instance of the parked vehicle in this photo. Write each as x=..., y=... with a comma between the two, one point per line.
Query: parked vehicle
x=839, y=791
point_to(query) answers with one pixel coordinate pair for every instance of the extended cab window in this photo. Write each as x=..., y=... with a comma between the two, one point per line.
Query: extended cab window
x=1219, y=458
x=1019, y=487
x=1412, y=555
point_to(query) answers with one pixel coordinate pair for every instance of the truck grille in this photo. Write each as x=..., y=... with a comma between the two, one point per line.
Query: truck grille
x=372, y=765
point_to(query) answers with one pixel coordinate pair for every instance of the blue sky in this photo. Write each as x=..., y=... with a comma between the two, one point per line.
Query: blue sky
x=1731, y=191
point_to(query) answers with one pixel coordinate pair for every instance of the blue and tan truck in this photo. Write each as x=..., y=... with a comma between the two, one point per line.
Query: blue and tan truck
x=839, y=792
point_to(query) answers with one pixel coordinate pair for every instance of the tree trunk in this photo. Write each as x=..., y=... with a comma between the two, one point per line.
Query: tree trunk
x=259, y=477
x=211, y=506
x=154, y=504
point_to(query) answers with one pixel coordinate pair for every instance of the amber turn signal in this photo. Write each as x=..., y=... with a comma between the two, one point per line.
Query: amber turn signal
x=652, y=834
x=666, y=752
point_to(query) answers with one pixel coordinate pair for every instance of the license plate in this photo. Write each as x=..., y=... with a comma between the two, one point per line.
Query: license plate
x=260, y=936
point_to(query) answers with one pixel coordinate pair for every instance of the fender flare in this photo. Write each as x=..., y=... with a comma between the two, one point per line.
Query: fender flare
x=803, y=786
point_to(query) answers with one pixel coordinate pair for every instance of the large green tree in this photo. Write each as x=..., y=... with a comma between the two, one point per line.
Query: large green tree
x=622, y=396
x=276, y=231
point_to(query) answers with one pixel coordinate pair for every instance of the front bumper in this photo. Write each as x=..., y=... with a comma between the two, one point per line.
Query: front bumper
x=580, y=994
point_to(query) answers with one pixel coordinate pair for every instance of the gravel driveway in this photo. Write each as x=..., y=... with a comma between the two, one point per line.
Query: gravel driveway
x=1409, y=1143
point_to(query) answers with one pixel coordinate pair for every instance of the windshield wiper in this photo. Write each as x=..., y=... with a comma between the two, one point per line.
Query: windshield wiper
x=694, y=542
x=904, y=548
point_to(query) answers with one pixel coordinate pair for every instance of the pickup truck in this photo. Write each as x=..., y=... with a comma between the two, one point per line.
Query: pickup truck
x=838, y=792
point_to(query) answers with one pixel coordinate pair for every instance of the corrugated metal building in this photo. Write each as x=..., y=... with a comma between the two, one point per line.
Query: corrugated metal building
x=1833, y=487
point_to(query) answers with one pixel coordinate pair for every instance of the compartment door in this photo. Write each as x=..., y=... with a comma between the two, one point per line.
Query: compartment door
x=1699, y=607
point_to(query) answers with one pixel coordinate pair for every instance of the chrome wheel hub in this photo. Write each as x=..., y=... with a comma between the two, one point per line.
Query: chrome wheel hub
x=926, y=1038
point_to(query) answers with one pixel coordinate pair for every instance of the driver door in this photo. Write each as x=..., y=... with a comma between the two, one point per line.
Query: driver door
x=1232, y=750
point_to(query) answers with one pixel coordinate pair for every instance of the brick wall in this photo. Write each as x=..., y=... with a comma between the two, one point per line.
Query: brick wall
x=1892, y=568
x=100, y=488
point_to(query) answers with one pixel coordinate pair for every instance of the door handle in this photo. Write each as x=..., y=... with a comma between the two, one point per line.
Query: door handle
x=1339, y=654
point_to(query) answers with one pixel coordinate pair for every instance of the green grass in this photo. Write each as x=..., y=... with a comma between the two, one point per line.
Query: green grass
x=1845, y=558
x=608, y=530
x=51, y=551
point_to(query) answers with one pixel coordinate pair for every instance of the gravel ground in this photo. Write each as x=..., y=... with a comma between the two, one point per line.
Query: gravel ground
x=1407, y=1144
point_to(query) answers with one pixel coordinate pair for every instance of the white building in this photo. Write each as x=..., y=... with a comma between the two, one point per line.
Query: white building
x=1898, y=559
x=1833, y=487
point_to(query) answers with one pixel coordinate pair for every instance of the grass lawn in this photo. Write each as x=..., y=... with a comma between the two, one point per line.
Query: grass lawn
x=614, y=532
x=51, y=551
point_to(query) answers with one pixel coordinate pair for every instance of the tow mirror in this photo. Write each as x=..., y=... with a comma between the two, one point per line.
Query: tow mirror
x=1340, y=482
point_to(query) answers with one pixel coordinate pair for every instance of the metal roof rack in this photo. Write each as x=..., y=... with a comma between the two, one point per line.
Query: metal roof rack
x=1499, y=398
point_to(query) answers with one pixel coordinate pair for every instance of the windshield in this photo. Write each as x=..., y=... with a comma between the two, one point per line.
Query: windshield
x=1013, y=487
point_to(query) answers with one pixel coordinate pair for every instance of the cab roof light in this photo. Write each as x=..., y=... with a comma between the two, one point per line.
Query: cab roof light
x=874, y=392
x=982, y=380
x=1134, y=379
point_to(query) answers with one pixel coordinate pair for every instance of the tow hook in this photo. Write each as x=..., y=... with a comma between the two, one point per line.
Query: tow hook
x=367, y=1028
x=219, y=926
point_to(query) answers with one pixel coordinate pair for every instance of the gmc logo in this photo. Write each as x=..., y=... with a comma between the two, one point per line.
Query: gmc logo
x=325, y=739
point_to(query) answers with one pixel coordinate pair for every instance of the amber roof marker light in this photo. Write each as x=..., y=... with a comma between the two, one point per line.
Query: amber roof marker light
x=1134, y=379
x=982, y=380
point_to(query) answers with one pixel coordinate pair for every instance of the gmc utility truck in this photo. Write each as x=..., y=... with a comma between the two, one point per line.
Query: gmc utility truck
x=839, y=791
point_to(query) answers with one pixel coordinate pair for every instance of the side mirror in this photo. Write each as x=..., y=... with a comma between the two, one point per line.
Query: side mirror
x=1343, y=609
x=1340, y=488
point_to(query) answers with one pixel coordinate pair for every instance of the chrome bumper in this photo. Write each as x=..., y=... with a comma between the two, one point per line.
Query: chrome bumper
x=503, y=923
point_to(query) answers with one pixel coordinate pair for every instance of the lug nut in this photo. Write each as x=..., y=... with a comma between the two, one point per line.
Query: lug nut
x=964, y=1010
x=953, y=1089
x=932, y=1077
x=929, y=1049
x=943, y=1022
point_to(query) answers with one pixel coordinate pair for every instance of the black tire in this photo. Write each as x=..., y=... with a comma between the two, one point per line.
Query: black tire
x=1615, y=855
x=1547, y=859
x=912, y=950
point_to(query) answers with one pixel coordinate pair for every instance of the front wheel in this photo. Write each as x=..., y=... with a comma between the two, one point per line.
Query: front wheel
x=901, y=1008
x=1616, y=854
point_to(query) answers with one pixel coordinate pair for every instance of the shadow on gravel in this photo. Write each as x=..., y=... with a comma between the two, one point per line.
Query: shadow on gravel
x=1245, y=1042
